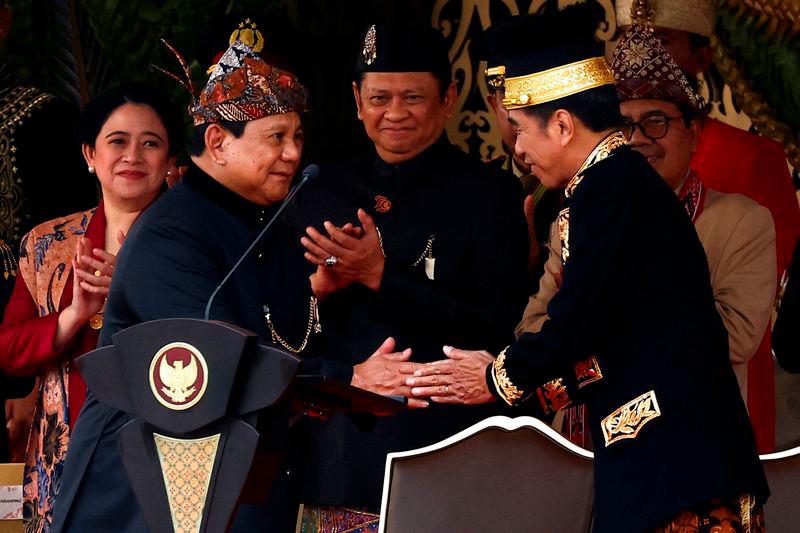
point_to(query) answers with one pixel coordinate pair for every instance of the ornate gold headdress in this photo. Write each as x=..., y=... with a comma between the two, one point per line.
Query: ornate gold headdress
x=555, y=83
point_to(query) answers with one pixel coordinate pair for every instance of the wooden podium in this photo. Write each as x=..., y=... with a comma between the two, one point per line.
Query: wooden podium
x=199, y=393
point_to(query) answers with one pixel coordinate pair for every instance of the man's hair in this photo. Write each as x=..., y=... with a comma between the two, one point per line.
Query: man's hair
x=197, y=144
x=442, y=79
x=597, y=108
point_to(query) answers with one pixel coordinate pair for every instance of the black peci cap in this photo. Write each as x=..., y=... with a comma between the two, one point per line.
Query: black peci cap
x=559, y=56
x=404, y=49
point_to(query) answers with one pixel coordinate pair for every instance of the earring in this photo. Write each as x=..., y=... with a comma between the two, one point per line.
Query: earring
x=90, y=168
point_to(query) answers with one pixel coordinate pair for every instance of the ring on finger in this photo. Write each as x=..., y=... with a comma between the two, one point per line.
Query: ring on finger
x=98, y=273
x=446, y=389
x=331, y=261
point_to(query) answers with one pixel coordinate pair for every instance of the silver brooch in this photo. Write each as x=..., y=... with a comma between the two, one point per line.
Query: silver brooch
x=369, y=51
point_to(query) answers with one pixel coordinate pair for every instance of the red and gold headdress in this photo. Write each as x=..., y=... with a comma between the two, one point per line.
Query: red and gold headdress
x=643, y=68
x=242, y=87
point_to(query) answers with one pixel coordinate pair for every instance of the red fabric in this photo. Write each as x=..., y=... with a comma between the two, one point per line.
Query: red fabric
x=26, y=339
x=734, y=161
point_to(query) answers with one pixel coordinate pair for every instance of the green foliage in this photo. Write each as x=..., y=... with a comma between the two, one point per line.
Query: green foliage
x=770, y=62
x=95, y=44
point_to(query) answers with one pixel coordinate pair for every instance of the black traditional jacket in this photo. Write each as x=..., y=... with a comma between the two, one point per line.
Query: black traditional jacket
x=634, y=334
x=455, y=241
x=175, y=255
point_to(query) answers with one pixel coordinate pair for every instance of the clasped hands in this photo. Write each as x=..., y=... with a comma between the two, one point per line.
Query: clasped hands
x=459, y=379
x=354, y=254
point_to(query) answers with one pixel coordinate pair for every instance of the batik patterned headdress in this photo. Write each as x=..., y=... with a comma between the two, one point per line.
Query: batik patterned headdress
x=241, y=87
x=643, y=68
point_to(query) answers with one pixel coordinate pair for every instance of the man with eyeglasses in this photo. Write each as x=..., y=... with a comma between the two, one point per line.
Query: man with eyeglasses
x=731, y=160
x=662, y=115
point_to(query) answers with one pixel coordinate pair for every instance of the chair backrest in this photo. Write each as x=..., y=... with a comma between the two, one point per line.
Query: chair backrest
x=501, y=474
x=782, y=510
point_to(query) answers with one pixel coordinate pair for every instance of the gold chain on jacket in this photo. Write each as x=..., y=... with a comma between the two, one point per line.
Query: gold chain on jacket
x=313, y=326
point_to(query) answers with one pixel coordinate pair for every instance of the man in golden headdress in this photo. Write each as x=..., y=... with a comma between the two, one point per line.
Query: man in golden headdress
x=729, y=160
x=633, y=331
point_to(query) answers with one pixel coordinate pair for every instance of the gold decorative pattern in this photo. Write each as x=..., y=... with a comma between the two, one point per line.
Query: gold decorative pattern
x=553, y=396
x=627, y=421
x=562, y=223
x=588, y=372
x=495, y=77
x=502, y=383
x=16, y=105
x=604, y=149
x=559, y=82
x=186, y=465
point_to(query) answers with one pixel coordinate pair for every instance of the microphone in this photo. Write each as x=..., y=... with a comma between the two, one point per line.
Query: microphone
x=311, y=171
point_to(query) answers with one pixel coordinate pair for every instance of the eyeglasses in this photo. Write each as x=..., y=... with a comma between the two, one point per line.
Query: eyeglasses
x=653, y=127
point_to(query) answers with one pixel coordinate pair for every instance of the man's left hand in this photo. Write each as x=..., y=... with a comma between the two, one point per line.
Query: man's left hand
x=461, y=378
x=357, y=259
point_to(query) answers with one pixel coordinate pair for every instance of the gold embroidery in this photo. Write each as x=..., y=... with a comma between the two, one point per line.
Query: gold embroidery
x=563, y=233
x=502, y=383
x=627, y=421
x=555, y=83
x=553, y=396
x=588, y=372
x=604, y=149
x=186, y=465
x=495, y=77
x=16, y=106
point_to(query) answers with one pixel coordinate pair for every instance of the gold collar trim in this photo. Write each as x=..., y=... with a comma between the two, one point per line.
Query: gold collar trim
x=558, y=82
x=604, y=149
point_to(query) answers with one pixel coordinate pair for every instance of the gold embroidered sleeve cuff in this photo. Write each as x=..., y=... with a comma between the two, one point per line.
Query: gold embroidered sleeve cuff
x=507, y=391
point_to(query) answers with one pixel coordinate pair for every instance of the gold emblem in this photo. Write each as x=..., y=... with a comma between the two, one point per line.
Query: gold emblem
x=178, y=376
x=96, y=321
x=627, y=421
x=553, y=396
x=588, y=372
x=248, y=33
x=370, y=50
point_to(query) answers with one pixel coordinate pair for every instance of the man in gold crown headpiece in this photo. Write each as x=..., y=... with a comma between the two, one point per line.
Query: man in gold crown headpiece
x=729, y=160
x=663, y=408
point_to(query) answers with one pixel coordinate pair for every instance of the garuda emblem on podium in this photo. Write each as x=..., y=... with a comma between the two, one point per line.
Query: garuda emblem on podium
x=178, y=376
